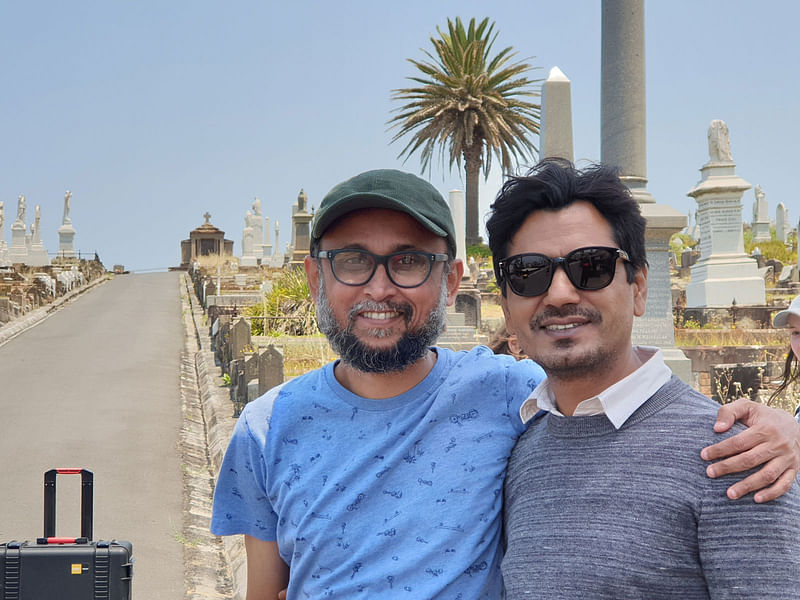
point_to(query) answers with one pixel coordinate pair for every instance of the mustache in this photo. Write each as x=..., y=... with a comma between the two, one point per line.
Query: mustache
x=372, y=306
x=565, y=311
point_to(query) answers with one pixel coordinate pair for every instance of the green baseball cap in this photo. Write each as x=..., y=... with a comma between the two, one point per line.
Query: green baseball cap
x=388, y=188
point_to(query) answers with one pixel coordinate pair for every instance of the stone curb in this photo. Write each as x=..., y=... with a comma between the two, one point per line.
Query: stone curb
x=206, y=572
x=13, y=328
x=217, y=413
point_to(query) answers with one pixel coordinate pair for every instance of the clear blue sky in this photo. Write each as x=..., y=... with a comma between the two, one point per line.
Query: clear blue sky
x=153, y=113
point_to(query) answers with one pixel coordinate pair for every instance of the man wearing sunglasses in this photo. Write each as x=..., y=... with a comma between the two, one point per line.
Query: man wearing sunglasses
x=379, y=475
x=606, y=494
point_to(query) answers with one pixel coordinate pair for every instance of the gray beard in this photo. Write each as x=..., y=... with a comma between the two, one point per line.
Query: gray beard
x=410, y=348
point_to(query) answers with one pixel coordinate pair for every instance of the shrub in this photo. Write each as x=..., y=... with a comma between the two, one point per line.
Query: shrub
x=287, y=309
x=479, y=251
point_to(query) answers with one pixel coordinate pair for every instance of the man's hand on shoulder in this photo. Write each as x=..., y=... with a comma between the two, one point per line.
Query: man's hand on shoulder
x=771, y=441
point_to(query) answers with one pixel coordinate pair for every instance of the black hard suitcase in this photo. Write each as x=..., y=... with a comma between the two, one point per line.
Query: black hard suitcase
x=56, y=568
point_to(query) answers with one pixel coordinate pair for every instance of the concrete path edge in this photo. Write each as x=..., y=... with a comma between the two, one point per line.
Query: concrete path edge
x=217, y=415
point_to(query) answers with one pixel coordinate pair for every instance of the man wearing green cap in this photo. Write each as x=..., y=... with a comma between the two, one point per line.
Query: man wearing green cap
x=380, y=474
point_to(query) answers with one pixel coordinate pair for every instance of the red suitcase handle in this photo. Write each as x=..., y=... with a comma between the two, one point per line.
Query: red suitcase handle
x=87, y=509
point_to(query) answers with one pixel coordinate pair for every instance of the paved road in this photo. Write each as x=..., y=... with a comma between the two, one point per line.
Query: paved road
x=97, y=385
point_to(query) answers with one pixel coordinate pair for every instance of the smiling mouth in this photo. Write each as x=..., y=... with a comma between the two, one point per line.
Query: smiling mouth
x=380, y=316
x=562, y=327
x=565, y=320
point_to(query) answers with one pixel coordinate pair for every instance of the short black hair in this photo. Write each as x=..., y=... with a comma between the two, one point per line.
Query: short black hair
x=554, y=184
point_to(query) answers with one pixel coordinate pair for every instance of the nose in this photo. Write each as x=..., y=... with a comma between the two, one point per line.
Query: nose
x=380, y=286
x=561, y=290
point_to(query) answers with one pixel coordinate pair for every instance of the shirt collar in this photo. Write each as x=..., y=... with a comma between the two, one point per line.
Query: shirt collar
x=618, y=401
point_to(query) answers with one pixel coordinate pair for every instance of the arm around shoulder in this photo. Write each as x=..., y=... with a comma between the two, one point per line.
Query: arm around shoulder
x=771, y=442
x=267, y=574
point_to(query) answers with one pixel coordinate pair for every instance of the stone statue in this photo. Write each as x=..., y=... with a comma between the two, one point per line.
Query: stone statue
x=719, y=142
x=66, y=220
x=247, y=235
x=21, y=209
x=257, y=207
x=2, y=218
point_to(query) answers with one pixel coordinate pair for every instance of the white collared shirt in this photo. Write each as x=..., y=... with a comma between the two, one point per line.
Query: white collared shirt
x=619, y=401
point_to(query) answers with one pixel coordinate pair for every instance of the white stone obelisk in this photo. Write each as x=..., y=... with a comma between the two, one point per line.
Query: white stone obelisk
x=555, y=139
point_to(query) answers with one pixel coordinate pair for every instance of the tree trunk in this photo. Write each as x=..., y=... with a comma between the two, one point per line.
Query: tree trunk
x=472, y=163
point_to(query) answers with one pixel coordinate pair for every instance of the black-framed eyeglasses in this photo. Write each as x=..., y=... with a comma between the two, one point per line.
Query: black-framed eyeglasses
x=406, y=269
x=590, y=268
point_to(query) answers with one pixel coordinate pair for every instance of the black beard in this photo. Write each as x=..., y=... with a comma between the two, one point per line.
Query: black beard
x=410, y=348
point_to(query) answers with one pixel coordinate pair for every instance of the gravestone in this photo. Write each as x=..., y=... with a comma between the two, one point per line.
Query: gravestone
x=4, y=261
x=248, y=258
x=221, y=339
x=781, y=222
x=66, y=233
x=18, y=251
x=240, y=337
x=732, y=381
x=270, y=369
x=468, y=302
x=761, y=217
x=37, y=255
x=468, y=298
x=266, y=249
x=301, y=231
x=238, y=387
x=277, y=258
x=724, y=272
x=257, y=225
x=251, y=376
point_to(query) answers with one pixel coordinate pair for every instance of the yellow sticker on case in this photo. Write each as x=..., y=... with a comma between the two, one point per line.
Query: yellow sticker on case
x=77, y=568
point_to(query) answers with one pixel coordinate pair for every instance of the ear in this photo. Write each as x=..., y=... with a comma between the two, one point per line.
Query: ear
x=513, y=345
x=312, y=274
x=454, y=280
x=639, y=288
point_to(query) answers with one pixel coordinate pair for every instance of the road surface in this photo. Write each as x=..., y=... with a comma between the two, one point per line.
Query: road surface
x=97, y=385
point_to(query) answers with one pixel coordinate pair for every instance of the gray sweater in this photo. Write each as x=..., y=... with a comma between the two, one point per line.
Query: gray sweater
x=594, y=512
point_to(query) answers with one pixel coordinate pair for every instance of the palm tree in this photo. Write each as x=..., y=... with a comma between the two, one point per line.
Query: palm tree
x=470, y=106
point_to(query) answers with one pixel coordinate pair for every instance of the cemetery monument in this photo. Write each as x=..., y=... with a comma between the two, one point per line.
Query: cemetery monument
x=760, y=217
x=623, y=144
x=66, y=233
x=4, y=261
x=555, y=139
x=37, y=255
x=724, y=272
x=18, y=251
x=782, y=228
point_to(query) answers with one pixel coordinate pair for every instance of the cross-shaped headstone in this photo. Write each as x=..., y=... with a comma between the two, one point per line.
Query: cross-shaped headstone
x=207, y=217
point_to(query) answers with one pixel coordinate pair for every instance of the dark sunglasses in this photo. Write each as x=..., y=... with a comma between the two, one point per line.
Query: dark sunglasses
x=590, y=268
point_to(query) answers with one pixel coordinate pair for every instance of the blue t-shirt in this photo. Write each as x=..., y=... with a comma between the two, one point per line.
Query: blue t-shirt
x=393, y=498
